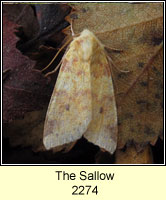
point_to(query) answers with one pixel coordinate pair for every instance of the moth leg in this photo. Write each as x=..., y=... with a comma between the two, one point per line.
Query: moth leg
x=111, y=61
x=112, y=49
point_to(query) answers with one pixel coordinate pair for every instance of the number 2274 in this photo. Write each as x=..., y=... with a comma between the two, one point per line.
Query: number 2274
x=84, y=190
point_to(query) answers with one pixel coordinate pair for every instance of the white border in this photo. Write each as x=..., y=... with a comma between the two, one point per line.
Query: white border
x=83, y=164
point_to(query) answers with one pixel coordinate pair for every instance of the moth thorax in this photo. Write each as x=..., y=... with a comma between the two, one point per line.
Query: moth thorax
x=89, y=45
x=87, y=48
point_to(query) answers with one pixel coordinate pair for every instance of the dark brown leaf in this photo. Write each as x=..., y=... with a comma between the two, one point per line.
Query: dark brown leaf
x=24, y=89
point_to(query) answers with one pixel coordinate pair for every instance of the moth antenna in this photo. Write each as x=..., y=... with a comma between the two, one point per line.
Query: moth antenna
x=72, y=31
x=57, y=67
x=63, y=46
x=66, y=43
x=111, y=61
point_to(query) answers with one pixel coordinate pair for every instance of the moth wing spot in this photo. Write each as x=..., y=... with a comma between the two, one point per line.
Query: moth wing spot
x=67, y=107
x=101, y=110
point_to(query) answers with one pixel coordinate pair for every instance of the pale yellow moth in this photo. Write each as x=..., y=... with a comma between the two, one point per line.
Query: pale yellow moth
x=83, y=100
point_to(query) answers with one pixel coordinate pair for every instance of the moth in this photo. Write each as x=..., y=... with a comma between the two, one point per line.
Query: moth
x=83, y=100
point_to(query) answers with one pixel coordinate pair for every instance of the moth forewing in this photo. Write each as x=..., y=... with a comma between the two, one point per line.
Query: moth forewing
x=103, y=129
x=69, y=112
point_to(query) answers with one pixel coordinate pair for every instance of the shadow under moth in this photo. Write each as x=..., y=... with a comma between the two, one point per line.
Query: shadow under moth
x=83, y=100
